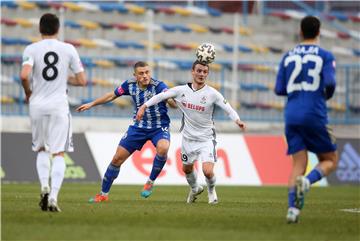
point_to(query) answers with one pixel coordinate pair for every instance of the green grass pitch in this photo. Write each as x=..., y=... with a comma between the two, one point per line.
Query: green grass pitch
x=243, y=213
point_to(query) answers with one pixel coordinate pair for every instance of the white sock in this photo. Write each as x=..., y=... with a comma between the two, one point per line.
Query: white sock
x=43, y=169
x=192, y=180
x=211, y=183
x=57, y=176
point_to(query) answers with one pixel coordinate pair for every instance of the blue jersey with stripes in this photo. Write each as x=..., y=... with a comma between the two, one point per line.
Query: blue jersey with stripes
x=307, y=77
x=155, y=116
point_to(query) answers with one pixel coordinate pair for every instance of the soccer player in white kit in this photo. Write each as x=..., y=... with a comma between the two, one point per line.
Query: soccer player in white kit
x=197, y=102
x=44, y=75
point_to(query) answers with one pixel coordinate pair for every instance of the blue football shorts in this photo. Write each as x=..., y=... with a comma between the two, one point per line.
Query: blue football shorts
x=136, y=137
x=317, y=139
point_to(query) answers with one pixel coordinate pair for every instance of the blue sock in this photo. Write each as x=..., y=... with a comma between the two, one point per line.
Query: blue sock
x=291, y=197
x=110, y=175
x=159, y=162
x=315, y=175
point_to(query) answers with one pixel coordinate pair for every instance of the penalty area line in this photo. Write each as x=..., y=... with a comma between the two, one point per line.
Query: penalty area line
x=351, y=210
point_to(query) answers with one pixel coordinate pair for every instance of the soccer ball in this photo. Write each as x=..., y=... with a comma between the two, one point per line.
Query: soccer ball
x=205, y=53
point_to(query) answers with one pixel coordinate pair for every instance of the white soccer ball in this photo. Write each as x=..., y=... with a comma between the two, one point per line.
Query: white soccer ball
x=205, y=53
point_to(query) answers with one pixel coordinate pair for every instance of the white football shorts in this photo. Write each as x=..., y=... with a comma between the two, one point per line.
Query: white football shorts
x=52, y=131
x=202, y=151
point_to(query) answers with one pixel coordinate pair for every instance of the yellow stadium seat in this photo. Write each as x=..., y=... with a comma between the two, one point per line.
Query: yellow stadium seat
x=258, y=49
x=169, y=83
x=337, y=107
x=262, y=68
x=215, y=67
x=155, y=46
x=88, y=24
x=102, y=82
x=215, y=85
x=34, y=39
x=122, y=102
x=73, y=6
x=26, y=5
x=104, y=63
x=277, y=105
x=87, y=43
x=7, y=100
x=135, y=9
x=198, y=28
x=138, y=27
x=23, y=22
x=193, y=45
x=181, y=11
x=245, y=31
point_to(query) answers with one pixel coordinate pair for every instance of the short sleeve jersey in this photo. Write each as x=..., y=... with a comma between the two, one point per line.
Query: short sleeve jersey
x=156, y=116
x=51, y=61
x=198, y=108
x=303, y=75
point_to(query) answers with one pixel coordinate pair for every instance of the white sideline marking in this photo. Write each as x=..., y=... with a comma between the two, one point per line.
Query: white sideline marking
x=351, y=210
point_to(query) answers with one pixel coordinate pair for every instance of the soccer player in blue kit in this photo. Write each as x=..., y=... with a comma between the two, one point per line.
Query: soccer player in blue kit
x=307, y=77
x=154, y=127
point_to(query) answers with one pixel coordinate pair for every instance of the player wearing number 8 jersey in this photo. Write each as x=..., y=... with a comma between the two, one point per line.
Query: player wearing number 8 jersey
x=45, y=74
x=307, y=77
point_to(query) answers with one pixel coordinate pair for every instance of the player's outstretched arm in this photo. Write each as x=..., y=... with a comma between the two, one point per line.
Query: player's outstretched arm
x=153, y=101
x=110, y=96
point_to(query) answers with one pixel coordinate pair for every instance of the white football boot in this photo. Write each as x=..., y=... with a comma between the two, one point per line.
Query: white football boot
x=194, y=193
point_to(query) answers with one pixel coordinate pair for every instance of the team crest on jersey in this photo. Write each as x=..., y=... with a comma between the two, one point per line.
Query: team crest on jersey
x=225, y=101
x=149, y=95
x=26, y=58
x=203, y=100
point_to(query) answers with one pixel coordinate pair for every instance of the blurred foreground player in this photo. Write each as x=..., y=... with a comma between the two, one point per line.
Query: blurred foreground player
x=155, y=127
x=45, y=75
x=307, y=77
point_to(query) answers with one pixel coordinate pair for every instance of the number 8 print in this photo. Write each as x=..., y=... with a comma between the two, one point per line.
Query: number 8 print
x=50, y=65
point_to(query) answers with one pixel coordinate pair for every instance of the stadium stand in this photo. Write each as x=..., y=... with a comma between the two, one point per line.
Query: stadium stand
x=111, y=36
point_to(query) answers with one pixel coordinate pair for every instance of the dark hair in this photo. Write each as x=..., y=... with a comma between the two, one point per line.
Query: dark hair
x=198, y=62
x=140, y=64
x=49, y=24
x=310, y=27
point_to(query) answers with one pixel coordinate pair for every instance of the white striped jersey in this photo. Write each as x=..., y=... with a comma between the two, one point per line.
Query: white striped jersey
x=197, y=107
x=51, y=61
x=154, y=117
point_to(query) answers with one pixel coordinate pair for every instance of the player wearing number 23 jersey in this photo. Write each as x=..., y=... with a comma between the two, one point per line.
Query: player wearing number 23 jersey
x=307, y=77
